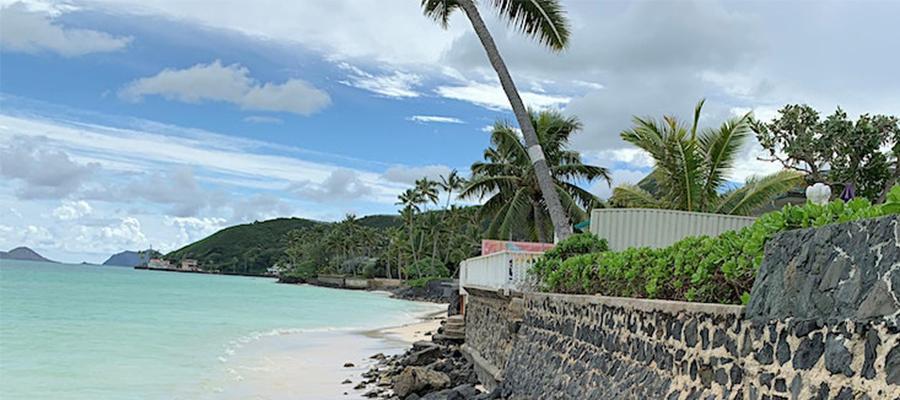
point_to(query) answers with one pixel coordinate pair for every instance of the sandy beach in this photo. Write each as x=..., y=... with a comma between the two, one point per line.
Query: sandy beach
x=310, y=365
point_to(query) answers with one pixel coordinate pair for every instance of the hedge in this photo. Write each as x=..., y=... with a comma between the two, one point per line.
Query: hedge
x=701, y=269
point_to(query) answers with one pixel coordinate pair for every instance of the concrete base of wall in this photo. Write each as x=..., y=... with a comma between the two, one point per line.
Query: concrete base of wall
x=488, y=374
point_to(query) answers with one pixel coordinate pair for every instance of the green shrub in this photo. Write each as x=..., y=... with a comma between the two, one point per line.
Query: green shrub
x=703, y=269
x=582, y=243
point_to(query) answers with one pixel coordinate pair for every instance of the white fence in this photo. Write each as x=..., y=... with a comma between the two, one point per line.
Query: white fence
x=641, y=227
x=502, y=270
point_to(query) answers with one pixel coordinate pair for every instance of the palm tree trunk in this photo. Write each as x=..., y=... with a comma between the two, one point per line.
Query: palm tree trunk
x=539, y=223
x=560, y=221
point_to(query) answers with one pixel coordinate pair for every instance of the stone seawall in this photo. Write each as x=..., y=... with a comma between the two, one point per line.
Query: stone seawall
x=492, y=320
x=592, y=347
x=823, y=324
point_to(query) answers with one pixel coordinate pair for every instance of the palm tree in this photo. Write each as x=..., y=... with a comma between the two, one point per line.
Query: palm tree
x=516, y=205
x=692, y=168
x=545, y=21
x=410, y=199
x=450, y=183
x=428, y=191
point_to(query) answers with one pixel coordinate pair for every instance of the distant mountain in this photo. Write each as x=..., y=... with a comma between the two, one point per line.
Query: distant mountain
x=251, y=248
x=130, y=258
x=23, y=253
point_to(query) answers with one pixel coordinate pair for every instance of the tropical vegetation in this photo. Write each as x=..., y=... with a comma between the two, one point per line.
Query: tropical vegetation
x=515, y=206
x=863, y=154
x=692, y=167
x=431, y=237
x=545, y=21
x=702, y=269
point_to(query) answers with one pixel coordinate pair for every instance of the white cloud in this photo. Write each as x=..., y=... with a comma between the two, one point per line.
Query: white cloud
x=218, y=156
x=43, y=172
x=491, y=96
x=619, y=177
x=32, y=236
x=409, y=175
x=340, y=185
x=392, y=32
x=231, y=84
x=435, y=118
x=70, y=210
x=190, y=229
x=29, y=31
x=258, y=208
x=397, y=84
x=177, y=188
x=124, y=234
x=589, y=85
x=261, y=119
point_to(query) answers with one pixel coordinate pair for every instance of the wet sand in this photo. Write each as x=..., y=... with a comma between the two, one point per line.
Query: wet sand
x=310, y=365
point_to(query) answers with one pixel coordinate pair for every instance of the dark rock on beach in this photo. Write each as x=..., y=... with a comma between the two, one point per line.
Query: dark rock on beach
x=432, y=370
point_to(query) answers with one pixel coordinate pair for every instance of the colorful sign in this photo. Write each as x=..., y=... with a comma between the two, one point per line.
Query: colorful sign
x=496, y=246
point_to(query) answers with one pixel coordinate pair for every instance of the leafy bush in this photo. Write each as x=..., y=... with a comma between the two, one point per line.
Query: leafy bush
x=703, y=269
x=582, y=243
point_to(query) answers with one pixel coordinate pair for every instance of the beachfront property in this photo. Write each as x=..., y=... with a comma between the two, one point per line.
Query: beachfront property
x=189, y=264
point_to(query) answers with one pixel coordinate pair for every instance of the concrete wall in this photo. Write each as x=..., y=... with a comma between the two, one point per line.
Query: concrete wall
x=593, y=347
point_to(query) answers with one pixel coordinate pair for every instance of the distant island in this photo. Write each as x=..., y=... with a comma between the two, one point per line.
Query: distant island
x=24, y=254
x=130, y=258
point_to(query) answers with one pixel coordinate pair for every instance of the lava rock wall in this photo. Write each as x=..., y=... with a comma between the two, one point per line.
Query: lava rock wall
x=823, y=324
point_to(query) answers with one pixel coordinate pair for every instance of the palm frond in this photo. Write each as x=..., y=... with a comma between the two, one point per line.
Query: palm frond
x=543, y=20
x=439, y=10
x=720, y=147
x=697, y=109
x=757, y=192
x=631, y=196
x=516, y=218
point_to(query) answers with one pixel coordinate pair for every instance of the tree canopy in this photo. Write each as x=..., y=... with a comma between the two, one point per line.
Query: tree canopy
x=835, y=150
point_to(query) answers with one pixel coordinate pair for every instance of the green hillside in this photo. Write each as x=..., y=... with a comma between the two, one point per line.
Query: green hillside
x=247, y=248
x=380, y=221
x=251, y=248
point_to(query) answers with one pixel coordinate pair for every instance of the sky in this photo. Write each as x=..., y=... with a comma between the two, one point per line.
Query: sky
x=130, y=124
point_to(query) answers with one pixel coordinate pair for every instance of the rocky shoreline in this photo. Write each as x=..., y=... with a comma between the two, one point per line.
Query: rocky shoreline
x=429, y=370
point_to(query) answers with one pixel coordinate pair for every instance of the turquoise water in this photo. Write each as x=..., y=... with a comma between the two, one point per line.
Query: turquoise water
x=88, y=332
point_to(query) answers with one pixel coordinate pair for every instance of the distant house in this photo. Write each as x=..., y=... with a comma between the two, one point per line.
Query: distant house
x=190, y=264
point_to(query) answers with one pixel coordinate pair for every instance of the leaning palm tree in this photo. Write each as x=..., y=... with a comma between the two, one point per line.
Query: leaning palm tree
x=515, y=205
x=691, y=168
x=545, y=21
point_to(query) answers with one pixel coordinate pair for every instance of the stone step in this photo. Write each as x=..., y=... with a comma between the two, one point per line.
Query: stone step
x=455, y=333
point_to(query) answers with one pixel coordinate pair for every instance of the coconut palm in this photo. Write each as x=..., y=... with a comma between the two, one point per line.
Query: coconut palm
x=516, y=206
x=428, y=191
x=545, y=21
x=692, y=168
x=450, y=183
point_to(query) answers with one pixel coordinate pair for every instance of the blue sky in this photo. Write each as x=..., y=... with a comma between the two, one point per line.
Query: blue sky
x=126, y=124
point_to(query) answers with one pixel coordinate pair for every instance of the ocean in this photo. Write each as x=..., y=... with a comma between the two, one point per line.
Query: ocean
x=91, y=332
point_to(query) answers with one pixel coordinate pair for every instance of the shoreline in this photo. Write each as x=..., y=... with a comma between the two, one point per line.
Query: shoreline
x=425, y=327
x=323, y=365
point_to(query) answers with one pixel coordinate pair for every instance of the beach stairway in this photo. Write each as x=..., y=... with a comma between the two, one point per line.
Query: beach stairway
x=455, y=328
